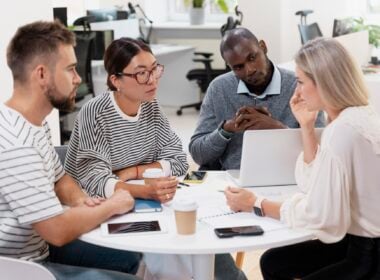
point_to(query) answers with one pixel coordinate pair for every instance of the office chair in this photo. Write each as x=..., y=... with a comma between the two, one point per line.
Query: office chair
x=17, y=269
x=307, y=31
x=204, y=76
x=83, y=52
x=61, y=151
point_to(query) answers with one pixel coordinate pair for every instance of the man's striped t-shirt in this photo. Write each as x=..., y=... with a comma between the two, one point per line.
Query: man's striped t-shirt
x=29, y=167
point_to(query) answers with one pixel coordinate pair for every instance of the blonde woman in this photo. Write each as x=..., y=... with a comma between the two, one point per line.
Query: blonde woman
x=338, y=178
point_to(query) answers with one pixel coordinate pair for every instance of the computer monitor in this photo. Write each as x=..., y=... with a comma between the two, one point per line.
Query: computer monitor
x=60, y=13
x=103, y=14
x=342, y=27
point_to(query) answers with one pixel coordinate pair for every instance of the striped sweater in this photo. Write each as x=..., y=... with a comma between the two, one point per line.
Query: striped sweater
x=104, y=139
x=29, y=167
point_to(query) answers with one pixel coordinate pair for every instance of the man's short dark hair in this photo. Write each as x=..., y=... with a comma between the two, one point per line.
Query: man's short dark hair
x=232, y=38
x=35, y=43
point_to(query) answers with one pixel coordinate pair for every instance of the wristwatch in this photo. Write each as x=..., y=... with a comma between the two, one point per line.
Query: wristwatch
x=224, y=133
x=257, y=206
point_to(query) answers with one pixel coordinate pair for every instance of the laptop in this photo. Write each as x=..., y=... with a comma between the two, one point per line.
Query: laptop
x=269, y=157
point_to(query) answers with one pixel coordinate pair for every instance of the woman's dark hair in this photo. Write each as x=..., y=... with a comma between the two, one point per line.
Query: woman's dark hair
x=119, y=54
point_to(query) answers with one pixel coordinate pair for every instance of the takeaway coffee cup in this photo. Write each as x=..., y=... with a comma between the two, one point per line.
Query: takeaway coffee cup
x=185, y=211
x=152, y=174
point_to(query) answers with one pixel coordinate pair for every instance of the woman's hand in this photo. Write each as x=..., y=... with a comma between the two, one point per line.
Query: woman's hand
x=239, y=199
x=162, y=189
x=304, y=117
x=122, y=202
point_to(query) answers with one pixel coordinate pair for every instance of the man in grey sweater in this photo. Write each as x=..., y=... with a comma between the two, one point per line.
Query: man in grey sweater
x=254, y=95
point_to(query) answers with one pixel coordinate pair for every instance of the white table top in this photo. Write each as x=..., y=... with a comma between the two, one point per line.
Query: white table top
x=204, y=241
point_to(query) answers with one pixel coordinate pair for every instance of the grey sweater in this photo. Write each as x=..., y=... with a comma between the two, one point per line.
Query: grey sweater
x=208, y=147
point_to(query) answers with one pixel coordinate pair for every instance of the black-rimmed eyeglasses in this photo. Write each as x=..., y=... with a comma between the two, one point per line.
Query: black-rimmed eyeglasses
x=143, y=77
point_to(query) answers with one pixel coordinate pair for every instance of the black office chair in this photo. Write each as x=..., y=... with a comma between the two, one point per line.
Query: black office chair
x=83, y=48
x=61, y=151
x=204, y=76
x=307, y=31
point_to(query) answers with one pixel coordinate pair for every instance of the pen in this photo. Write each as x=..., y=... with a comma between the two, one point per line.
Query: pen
x=183, y=184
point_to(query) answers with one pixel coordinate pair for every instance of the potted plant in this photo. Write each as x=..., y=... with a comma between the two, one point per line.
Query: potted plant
x=373, y=30
x=197, y=11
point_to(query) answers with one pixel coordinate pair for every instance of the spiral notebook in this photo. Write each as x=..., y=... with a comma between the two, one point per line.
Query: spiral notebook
x=221, y=216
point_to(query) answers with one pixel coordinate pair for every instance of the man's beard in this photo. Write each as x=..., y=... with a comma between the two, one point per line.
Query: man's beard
x=65, y=104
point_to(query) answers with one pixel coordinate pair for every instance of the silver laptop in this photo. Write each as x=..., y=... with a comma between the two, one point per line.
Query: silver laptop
x=269, y=157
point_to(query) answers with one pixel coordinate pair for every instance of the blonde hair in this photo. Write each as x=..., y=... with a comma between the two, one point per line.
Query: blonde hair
x=334, y=72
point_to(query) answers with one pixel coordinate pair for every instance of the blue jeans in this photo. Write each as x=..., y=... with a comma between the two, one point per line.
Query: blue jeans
x=81, y=260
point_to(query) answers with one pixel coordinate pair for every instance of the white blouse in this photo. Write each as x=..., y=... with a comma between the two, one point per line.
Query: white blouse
x=340, y=189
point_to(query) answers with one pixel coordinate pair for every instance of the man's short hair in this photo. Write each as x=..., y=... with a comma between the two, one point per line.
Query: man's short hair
x=35, y=43
x=233, y=36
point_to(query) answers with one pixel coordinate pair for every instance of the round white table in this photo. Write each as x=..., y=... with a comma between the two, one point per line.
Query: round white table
x=204, y=244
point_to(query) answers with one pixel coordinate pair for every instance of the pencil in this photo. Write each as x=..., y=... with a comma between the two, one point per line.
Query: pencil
x=183, y=184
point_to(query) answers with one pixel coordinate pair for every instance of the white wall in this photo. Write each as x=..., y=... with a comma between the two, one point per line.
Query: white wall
x=275, y=22
x=16, y=13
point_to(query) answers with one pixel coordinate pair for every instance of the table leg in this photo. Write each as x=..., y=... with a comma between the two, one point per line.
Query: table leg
x=203, y=266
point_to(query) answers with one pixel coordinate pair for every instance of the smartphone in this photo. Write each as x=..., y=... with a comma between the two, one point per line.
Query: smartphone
x=133, y=227
x=195, y=176
x=234, y=231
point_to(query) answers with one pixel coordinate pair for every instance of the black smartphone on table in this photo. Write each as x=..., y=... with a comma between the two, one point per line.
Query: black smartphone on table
x=195, y=177
x=236, y=231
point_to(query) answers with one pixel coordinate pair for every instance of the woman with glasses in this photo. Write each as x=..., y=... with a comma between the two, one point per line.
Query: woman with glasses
x=121, y=133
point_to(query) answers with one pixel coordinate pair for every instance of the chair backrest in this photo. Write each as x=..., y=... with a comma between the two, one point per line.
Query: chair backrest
x=61, y=151
x=309, y=32
x=83, y=48
x=232, y=22
x=16, y=269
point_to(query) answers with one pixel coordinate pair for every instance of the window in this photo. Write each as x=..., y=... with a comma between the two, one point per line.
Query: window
x=373, y=6
x=178, y=11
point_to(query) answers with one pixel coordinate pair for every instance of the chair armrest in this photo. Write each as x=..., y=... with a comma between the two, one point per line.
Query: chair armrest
x=205, y=54
x=203, y=60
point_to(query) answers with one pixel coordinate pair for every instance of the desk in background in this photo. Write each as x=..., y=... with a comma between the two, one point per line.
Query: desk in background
x=202, y=246
x=174, y=89
x=184, y=30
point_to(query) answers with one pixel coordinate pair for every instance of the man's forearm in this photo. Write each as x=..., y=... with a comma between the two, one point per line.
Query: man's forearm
x=68, y=191
x=208, y=148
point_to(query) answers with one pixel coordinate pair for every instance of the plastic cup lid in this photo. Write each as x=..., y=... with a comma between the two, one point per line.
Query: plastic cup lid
x=185, y=205
x=153, y=173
